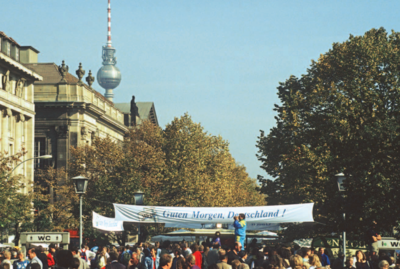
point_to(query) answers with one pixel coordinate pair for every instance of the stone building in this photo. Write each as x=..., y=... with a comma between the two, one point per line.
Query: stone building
x=17, y=109
x=70, y=112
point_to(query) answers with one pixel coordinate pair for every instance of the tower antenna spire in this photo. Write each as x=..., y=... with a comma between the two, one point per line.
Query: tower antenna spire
x=109, y=75
x=109, y=25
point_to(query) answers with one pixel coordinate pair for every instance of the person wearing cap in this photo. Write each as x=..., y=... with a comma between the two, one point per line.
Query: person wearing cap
x=372, y=238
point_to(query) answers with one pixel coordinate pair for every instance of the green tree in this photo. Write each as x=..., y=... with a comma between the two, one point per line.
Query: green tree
x=341, y=116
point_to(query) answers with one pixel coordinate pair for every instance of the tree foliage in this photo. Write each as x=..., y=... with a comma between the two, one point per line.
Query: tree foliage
x=180, y=166
x=341, y=116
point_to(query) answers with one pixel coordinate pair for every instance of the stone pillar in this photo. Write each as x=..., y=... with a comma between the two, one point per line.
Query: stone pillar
x=4, y=131
x=18, y=143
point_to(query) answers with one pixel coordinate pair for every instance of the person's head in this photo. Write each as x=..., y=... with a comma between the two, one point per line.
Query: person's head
x=39, y=249
x=166, y=261
x=235, y=264
x=64, y=258
x=7, y=255
x=152, y=251
x=191, y=260
x=383, y=264
x=75, y=263
x=360, y=256
x=243, y=266
x=113, y=256
x=217, y=234
x=237, y=246
x=20, y=256
x=52, y=248
x=157, y=244
x=296, y=260
x=74, y=250
x=349, y=262
x=242, y=216
x=314, y=260
x=222, y=256
x=321, y=251
x=31, y=253
x=374, y=223
x=194, y=248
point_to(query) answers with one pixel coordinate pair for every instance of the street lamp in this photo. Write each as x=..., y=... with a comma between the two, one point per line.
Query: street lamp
x=139, y=197
x=80, y=183
x=43, y=157
x=340, y=178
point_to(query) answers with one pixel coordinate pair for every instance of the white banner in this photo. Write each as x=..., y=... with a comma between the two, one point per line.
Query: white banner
x=250, y=226
x=107, y=224
x=207, y=215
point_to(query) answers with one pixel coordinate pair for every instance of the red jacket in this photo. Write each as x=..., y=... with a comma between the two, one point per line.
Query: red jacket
x=199, y=258
x=50, y=260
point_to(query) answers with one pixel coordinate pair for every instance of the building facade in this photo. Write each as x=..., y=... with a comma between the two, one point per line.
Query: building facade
x=70, y=112
x=17, y=109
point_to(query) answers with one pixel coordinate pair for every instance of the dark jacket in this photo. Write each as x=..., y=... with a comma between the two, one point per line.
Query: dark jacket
x=43, y=258
x=115, y=265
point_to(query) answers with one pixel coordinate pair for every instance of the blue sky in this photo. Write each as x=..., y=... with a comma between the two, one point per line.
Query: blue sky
x=220, y=61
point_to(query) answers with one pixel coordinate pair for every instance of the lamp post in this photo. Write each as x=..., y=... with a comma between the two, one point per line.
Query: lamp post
x=340, y=178
x=80, y=183
x=139, y=197
x=43, y=157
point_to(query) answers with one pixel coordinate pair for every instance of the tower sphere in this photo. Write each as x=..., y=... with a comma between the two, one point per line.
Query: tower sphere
x=109, y=76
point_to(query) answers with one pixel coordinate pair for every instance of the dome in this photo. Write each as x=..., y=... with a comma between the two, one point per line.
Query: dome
x=109, y=77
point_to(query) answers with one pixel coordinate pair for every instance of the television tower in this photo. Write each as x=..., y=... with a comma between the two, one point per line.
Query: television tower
x=109, y=76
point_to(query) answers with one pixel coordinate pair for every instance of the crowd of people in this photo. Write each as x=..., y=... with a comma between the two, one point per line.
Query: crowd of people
x=208, y=255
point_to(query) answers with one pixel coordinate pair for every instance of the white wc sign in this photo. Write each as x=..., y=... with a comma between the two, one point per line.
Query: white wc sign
x=44, y=238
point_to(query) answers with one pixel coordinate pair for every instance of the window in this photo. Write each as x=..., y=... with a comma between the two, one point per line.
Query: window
x=40, y=150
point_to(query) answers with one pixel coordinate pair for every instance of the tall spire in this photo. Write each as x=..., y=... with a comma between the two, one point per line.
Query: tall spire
x=109, y=25
x=109, y=75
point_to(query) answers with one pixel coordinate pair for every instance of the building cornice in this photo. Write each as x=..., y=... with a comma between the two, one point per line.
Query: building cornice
x=20, y=67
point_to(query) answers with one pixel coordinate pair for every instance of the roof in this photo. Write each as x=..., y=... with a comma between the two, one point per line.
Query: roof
x=19, y=66
x=146, y=110
x=9, y=38
x=29, y=47
x=51, y=75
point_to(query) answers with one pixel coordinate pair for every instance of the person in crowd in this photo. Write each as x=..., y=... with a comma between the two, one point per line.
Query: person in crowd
x=181, y=263
x=126, y=256
x=75, y=263
x=196, y=253
x=314, y=261
x=33, y=258
x=75, y=253
x=259, y=261
x=165, y=248
x=216, y=238
x=223, y=261
x=101, y=258
x=234, y=254
x=296, y=261
x=21, y=263
x=306, y=252
x=114, y=264
x=338, y=262
x=243, y=256
x=240, y=228
x=64, y=258
x=191, y=262
x=165, y=261
x=285, y=254
x=148, y=260
x=362, y=262
x=212, y=256
x=50, y=259
x=235, y=264
x=134, y=262
x=276, y=261
x=186, y=250
x=177, y=255
x=204, y=257
x=350, y=263
x=42, y=256
x=323, y=257
x=7, y=258
x=383, y=264
x=373, y=237
x=52, y=253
